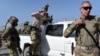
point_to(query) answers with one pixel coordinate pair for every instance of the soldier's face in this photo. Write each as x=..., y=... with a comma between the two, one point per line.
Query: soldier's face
x=15, y=23
x=85, y=9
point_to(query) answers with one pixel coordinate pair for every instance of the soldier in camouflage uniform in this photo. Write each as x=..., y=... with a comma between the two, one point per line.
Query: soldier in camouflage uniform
x=26, y=29
x=36, y=40
x=38, y=25
x=85, y=45
x=36, y=31
x=47, y=18
x=11, y=37
x=42, y=17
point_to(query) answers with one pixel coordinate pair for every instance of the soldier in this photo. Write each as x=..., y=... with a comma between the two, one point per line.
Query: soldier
x=86, y=28
x=39, y=18
x=36, y=40
x=36, y=31
x=11, y=37
x=26, y=29
x=46, y=18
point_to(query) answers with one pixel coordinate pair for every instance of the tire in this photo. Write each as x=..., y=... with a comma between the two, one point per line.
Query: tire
x=26, y=45
x=27, y=51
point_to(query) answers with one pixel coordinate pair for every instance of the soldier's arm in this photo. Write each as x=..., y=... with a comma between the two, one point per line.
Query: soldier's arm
x=98, y=23
x=19, y=48
x=69, y=30
x=73, y=26
x=5, y=34
x=35, y=14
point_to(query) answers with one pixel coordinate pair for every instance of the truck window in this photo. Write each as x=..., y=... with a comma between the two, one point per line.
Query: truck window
x=55, y=30
x=72, y=35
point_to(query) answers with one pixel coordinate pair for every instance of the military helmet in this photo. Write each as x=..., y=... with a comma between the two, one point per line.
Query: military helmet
x=26, y=23
x=12, y=19
x=45, y=7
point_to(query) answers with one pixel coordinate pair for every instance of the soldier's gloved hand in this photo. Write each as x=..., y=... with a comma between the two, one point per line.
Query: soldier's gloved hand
x=20, y=50
x=78, y=22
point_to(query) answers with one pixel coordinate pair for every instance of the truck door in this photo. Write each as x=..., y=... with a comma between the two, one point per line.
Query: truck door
x=70, y=44
x=53, y=44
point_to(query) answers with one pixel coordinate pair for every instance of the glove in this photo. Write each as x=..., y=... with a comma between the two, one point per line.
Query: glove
x=20, y=50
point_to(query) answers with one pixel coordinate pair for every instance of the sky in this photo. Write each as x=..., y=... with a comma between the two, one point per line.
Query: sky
x=60, y=9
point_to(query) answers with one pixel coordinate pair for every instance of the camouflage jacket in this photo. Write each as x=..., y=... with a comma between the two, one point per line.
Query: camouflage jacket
x=82, y=37
x=11, y=34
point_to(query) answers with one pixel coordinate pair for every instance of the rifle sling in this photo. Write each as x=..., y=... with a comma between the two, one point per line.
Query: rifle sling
x=92, y=37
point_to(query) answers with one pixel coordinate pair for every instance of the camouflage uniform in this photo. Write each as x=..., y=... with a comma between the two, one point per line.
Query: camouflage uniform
x=26, y=29
x=11, y=37
x=85, y=45
x=36, y=35
x=40, y=20
x=47, y=19
x=36, y=40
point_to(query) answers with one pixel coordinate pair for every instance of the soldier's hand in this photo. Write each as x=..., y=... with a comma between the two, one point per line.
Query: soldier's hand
x=20, y=50
x=79, y=21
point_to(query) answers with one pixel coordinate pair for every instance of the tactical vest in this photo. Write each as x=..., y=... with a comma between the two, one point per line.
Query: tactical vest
x=13, y=34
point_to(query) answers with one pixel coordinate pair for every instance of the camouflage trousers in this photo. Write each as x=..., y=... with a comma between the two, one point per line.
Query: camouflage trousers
x=94, y=51
x=37, y=51
x=12, y=49
x=12, y=52
x=36, y=40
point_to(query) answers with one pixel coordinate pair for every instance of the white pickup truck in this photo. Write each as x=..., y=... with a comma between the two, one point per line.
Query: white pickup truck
x=53, y=42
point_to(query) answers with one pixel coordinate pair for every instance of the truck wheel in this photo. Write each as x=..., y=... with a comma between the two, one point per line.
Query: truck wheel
x=27, y=50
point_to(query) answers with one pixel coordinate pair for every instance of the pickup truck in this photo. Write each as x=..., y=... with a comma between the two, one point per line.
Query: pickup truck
x=53, y=42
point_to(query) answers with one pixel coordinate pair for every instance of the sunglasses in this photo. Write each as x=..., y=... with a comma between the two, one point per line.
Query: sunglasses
x=86, y=8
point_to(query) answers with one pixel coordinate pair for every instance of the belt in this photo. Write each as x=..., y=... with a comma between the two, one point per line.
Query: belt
x=85, y=47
